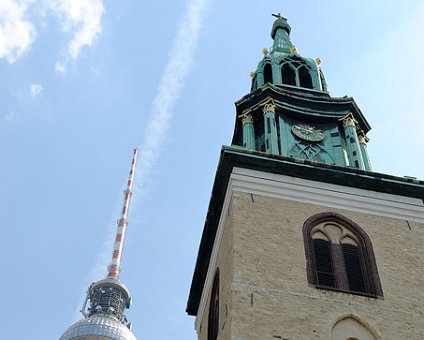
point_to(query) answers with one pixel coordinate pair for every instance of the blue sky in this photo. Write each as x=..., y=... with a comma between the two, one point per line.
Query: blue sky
x=84, y=81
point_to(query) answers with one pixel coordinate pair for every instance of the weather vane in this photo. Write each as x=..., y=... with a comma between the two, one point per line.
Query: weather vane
x=278, y=16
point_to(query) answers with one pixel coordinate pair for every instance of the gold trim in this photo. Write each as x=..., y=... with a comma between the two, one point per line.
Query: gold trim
x=269, y=100
x=348, y=115
x=363, y=139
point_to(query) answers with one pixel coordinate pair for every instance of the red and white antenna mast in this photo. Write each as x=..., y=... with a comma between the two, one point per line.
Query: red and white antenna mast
x=115, y=266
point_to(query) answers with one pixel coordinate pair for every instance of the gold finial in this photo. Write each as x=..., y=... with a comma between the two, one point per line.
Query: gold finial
x=293, y=49
x=252, y=74
x=265, y=51
x=318, y=61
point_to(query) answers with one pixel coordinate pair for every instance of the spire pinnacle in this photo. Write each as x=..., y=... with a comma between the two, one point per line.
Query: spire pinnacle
x=280, y=33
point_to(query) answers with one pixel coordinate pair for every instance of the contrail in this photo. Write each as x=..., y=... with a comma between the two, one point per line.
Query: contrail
x=171, y=84
x=168, y=92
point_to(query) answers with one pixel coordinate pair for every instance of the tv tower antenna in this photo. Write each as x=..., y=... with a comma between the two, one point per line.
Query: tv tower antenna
x=104, y=317
x=115, y=266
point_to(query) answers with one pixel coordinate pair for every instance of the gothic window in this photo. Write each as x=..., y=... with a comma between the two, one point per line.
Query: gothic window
x=352, y=328
x=294, y=71
x=213, y=319
x=267, y=73
x=339, y=256
x=288, y=75
x=305, y=79
x=313, y=152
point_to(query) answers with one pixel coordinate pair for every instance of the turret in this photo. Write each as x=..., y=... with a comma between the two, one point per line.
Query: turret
x=107, y=299
x=283, y=66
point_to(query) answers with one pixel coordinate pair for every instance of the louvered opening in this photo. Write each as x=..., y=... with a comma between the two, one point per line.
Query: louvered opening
x=324, y=263
x=354, y=268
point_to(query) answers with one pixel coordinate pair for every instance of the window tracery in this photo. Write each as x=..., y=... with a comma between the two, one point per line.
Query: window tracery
x=339, y=256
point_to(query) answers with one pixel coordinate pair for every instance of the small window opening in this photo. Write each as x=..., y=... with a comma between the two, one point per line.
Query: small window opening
x=268, y=73
x=305, y=77
x=288, y=75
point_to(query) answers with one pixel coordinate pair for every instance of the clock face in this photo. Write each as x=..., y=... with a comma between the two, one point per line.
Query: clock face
x=308, y=133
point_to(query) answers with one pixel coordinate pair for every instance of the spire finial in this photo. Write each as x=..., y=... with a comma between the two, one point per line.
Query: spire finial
x=115, y=268
x=279, y=17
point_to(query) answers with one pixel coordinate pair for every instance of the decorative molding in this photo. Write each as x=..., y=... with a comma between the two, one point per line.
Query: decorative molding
x=327, y=195
x=247, y=118
x=269, y=108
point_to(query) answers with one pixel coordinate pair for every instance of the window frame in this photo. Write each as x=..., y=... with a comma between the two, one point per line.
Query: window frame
x=213, y=316
x=370, y=274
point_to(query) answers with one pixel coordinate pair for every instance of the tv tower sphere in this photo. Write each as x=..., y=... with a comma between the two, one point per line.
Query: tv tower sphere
x=104, y=327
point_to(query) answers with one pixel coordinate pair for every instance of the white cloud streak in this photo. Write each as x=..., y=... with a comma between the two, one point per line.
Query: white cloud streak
x=16, y=33
x=171, y=83
x=169, y=90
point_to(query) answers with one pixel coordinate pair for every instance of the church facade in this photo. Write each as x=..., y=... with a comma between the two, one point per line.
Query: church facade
x=302, y=239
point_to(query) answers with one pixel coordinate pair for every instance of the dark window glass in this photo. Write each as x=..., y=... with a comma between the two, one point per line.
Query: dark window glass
x=287, y=75
x=267, y=73
x=305, y=77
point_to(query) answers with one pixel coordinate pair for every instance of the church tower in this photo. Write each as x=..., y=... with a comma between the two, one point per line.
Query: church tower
x=302, y=240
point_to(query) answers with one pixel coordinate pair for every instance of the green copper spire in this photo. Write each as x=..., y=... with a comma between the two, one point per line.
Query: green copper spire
x=290, y=113
x=283, y=66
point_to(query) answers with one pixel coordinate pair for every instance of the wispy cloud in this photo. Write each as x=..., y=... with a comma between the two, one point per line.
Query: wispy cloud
x=35, y=90
x=81, y=18
x=10, y=116
x=16, y=33
x=172, y=82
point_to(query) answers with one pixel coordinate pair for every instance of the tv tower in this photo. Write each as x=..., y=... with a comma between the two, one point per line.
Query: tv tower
x=104, y=305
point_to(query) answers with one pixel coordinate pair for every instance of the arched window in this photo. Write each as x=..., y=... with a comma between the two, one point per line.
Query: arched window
x=213, y=319
x=305, y=79
x=339, y=256
x=288, y=75
x=352, y=328
x=267, y=73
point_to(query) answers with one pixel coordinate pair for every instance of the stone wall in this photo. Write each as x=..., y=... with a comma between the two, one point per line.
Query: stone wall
x=264, y=292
